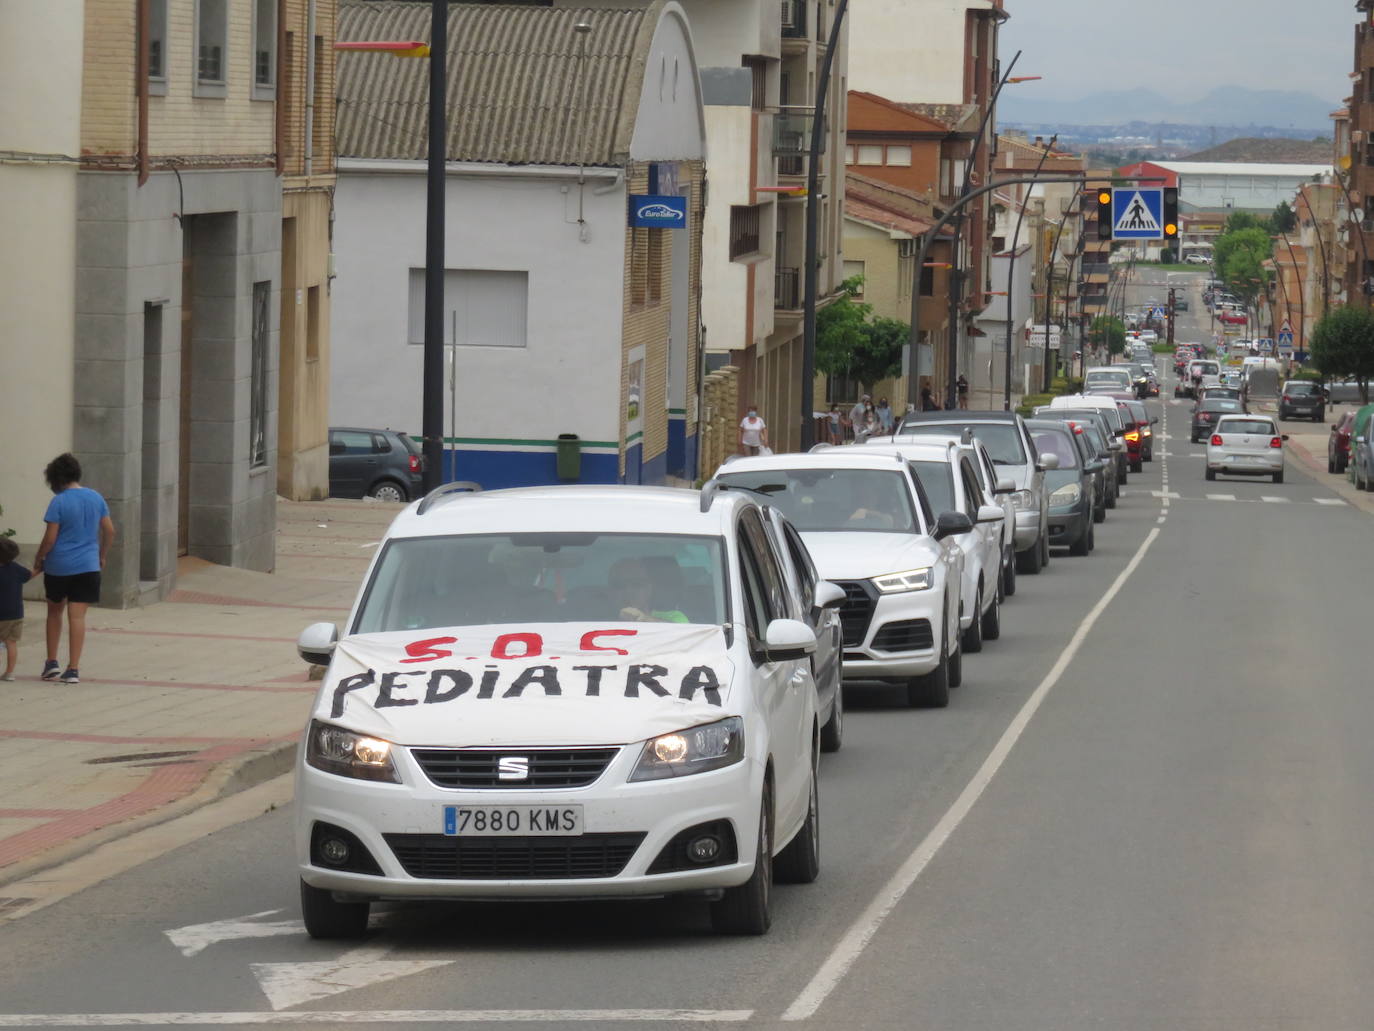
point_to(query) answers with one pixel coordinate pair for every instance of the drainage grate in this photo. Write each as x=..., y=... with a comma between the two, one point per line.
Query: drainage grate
x=138, y=757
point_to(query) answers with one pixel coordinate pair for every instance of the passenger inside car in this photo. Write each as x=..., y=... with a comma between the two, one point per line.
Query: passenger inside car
x=637, y=593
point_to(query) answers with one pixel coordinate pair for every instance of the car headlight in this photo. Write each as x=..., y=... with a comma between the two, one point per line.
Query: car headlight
x=1067, y=494
x=1022, y=499
x=908, y=580
x=695, y=750
x=349, y=754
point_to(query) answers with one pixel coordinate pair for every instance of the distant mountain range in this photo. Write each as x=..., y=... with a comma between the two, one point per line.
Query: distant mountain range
x=1223, y=106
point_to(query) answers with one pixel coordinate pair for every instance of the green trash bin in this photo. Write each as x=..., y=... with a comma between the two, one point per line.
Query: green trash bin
x=569, y=456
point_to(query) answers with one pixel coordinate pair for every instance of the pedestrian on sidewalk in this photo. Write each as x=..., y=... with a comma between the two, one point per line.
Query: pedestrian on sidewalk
x=884, y=412
x=961, y=384
x=13, y=577
x=753, y=433
x=70, y=557
x=928, y=401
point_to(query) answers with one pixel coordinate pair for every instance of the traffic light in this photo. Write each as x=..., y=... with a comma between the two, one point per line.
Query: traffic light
x=1170, y=213
x=1104, y=214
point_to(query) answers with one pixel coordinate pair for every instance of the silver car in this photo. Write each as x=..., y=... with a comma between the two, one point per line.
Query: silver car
x=1245, y=445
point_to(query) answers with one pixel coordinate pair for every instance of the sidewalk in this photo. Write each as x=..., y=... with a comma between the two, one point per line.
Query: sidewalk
x=1309, y=447
x=179, y=703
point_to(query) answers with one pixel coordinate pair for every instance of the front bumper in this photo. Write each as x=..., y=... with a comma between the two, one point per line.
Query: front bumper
x=1027, y=528
x=1250, y=462
x=901, y=637
x=1068, y=523
x=652, y=812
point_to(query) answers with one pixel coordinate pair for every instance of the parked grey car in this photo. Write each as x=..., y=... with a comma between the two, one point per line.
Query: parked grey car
x=383, y=464
x=1014, y=454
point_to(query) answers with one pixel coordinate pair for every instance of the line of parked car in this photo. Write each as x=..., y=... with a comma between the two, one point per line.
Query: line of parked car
x=586, y=692
x=1350, y=450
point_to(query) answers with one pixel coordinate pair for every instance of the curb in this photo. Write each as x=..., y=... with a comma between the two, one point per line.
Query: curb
x=223, y=779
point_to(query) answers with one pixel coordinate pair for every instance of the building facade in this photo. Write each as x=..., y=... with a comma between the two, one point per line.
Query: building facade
x=563, y=319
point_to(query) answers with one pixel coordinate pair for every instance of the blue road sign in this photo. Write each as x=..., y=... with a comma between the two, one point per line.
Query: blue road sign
x=1286, y=339
x=1137, y=213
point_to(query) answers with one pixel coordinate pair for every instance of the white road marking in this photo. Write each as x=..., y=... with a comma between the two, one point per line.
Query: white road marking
x=1221, y=497
x=1166, y=494
x=1329, y=501
x=1273, y=500
x=291, y=984
x=851, y=946
x=195, y=937
x=370, y=544
x=337, y=1017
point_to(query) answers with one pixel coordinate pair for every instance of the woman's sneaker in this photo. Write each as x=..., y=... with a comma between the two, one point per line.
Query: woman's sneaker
x=51, y=670
x=71, y=677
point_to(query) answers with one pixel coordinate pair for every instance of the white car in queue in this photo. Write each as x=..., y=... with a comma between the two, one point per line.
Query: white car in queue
x=1245, y=445
x=563, y=692
x=870, y=529
x=947, y=472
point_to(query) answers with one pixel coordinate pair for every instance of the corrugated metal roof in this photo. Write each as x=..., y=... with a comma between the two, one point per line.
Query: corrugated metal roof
x=517, y=91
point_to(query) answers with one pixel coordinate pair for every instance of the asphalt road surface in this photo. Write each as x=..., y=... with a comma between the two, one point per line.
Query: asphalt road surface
x=1147, y=807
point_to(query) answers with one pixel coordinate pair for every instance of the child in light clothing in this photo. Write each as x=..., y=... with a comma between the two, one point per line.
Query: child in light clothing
x=13, y=577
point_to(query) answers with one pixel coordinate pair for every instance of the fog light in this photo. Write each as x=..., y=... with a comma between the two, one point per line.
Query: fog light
x=334, y=851
x=703, y=849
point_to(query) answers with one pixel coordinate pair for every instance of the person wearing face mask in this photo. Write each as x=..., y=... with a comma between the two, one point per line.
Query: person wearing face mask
x=753, y=433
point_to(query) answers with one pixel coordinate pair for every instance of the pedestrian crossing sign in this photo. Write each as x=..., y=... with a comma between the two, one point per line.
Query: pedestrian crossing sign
x=1137, y=213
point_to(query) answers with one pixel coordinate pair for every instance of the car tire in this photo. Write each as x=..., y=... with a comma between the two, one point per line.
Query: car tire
x=1210, y=474
x=1331, y=464
x=1137, y=466
x=747, y=908
x=1028, y=561
x=1009, y=577
x=326, y=918
x=956, y=668
x=992, y=621
x=931, y=691
x=1100, y=514
x=1083, y=544
x=388, y=490
x=800, y=861
x=832, y=734
x=973, y=637
x=1278, y=477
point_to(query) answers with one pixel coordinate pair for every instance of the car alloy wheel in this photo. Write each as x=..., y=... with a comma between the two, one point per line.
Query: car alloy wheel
x=747, y=908
x=387, y=490
x=973, y=636
x=800, y=861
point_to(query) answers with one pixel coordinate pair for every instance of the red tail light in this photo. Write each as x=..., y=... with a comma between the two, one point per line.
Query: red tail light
x=1216, y=440
x=1206, y=416
x=1287, y=398
x=415, y=463
x=1276, y=442
x=1133, y=436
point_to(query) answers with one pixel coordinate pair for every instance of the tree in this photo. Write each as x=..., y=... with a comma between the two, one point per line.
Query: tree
x=1110, y=332
x=1239, y=220
x=851, y=343
x=1343, y=345
x=1284, y=219
x=1239, y=257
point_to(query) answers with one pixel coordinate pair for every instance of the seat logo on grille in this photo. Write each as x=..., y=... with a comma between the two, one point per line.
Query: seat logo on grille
x=513, y=767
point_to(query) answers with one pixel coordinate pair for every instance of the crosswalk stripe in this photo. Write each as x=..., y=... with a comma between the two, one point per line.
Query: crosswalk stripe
x=1221, y=497
x=1273, y=500
x=1329, y=501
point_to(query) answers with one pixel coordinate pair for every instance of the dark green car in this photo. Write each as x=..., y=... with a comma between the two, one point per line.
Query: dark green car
x=1070, y=487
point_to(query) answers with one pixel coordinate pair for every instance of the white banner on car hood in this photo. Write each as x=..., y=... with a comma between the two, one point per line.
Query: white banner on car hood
x=556, y=683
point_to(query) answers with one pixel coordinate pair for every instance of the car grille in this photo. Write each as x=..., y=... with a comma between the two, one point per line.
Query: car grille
x=480, y=767
x=906, y=635
x=860, y=598
x=440, y=857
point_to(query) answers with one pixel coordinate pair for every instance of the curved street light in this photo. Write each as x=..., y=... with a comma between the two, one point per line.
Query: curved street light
x=1011, y=271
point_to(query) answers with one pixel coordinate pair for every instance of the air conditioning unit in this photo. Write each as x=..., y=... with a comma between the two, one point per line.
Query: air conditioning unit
x=906, y=248
x=789, y=13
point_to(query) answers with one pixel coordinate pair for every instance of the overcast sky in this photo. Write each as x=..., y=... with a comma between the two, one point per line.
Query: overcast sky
x=1183, y=48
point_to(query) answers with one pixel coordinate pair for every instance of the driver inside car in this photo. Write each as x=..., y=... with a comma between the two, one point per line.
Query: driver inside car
x=633, y=592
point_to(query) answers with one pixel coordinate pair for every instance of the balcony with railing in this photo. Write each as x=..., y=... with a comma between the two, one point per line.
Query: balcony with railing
x=787, y=289
x=792, y=140
x=794, y=19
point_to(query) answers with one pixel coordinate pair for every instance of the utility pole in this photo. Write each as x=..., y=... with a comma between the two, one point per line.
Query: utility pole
x=432, y=391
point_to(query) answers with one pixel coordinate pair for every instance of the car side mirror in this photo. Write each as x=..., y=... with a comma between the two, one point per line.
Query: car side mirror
x=1284, y=437
x=788, y=639
x=316, y=643
x=1154, y=422
x=336, y=449
x=1004, y=486
x=1046, y=463
x=990, y=514
x=828, y=595
x=1095, y=466
x=952, y=524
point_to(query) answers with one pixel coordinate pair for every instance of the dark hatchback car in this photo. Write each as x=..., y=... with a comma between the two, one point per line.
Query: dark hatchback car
x=1302, y=397
x=1338, y=444
x=1070, y=486
x=1143, y=424
x=382, y=464
x=1093, y=432
x=1208, y=411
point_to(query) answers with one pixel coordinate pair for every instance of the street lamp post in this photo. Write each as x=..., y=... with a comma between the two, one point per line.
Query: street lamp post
x=1302, y=301
x=813, y=210
x=1011, y=272
x=1351, y=212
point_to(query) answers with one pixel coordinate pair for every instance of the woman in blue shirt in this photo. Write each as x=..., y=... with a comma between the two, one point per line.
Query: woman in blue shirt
x=70, y=557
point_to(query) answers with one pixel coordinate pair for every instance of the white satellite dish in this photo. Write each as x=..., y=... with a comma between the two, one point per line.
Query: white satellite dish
x=1357, y=215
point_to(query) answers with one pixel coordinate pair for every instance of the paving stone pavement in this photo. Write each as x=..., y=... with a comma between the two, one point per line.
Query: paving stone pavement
x=180, y=702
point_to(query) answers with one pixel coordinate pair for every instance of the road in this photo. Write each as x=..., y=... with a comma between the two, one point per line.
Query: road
x=1146, y=808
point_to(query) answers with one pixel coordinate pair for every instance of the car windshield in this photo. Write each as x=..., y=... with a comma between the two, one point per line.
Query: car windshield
x=1300, y=387
x=1206, y=368
x=1219, y=404
x=471, y=580
x=872, y=500
x=1263, y=426
x=1051, y=442
x=1107, y=378
x=1002, y=439
x=410, y=444
x=938, y=480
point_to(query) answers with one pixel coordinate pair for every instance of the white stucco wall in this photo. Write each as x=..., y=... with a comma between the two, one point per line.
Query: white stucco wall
x=725, y=30
x=40, y=118
x=669, y=125
x=909, y=51
x=567, y=378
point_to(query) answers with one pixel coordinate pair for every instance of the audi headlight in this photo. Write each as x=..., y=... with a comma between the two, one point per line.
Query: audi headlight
x=909, y=580
x=1067, y=494
x=1022, y=499
x=348, y=754
x=695, y=750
